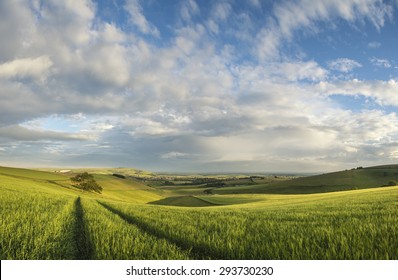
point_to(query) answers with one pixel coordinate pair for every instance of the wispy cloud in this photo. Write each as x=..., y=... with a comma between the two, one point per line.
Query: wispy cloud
x=189, y=9
x=137, y=17
x=374, y=45
x=289, y=17
x=380, y=62
x=221, y=11
x=20, y=133
x=344, y=65
x=173, y=155
x=383, y=92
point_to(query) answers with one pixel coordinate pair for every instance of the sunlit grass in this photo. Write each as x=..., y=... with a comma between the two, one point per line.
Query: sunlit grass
x=43, y=220
x=112, y=237
x=352, y=225
x=36, y=226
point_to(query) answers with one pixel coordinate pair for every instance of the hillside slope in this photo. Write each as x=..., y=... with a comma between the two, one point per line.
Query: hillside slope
x=360, y=178
x=114, y=188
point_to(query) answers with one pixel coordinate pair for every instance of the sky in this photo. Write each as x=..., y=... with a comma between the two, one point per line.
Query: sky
x=199, y=85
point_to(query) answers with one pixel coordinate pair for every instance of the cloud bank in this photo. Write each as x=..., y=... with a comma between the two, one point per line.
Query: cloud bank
x=201, y=94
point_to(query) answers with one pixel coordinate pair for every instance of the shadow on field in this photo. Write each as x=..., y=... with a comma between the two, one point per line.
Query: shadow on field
x=83, y=243
x=195, y=252
x=183, y=201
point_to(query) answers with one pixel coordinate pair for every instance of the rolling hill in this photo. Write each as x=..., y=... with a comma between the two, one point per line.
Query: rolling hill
x=51, y=182
x=44, y=217
x=354, y=179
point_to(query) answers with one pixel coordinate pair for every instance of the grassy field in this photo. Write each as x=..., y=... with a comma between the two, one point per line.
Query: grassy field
x=36, y=223
x=352, y=225
x=44, y=217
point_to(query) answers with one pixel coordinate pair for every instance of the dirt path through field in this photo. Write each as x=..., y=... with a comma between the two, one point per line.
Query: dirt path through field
x=82, y=239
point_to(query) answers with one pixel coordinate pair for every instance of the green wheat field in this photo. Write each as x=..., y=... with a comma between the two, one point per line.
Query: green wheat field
x=351, y=214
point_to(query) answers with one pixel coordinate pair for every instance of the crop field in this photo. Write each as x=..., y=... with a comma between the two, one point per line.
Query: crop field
x=36, y=225
x=44, y=217
x=109, y=236
x=356, y=225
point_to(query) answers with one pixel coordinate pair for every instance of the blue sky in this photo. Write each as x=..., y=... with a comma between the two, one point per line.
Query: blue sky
x=199, y=86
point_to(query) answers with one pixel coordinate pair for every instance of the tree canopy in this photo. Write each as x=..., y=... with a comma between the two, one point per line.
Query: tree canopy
x=86, y=182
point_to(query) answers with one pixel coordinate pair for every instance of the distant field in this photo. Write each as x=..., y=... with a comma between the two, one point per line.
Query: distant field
x=44, y=217
x=337, y=181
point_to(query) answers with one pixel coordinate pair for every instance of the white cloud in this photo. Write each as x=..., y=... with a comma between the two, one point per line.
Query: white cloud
x=255, y=3
x=364, y=128
x=137, y=17
x=37, y=68
x=67, y=21
x=108, y=64
x=243, y=27
x=293, y=16
x=221, y=11
x=344, y=65
x=212, y=26
x=112, y=34
x=268, y=42
x=189, y=9
x=374, y=45
x=382, y=92
x=20, y=133
x=192, y=100
x=380, y=62
x=173, y=155
x=15, y=16
x=296, y=71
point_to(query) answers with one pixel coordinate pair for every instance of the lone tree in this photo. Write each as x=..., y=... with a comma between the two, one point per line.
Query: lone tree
x=86, y=182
